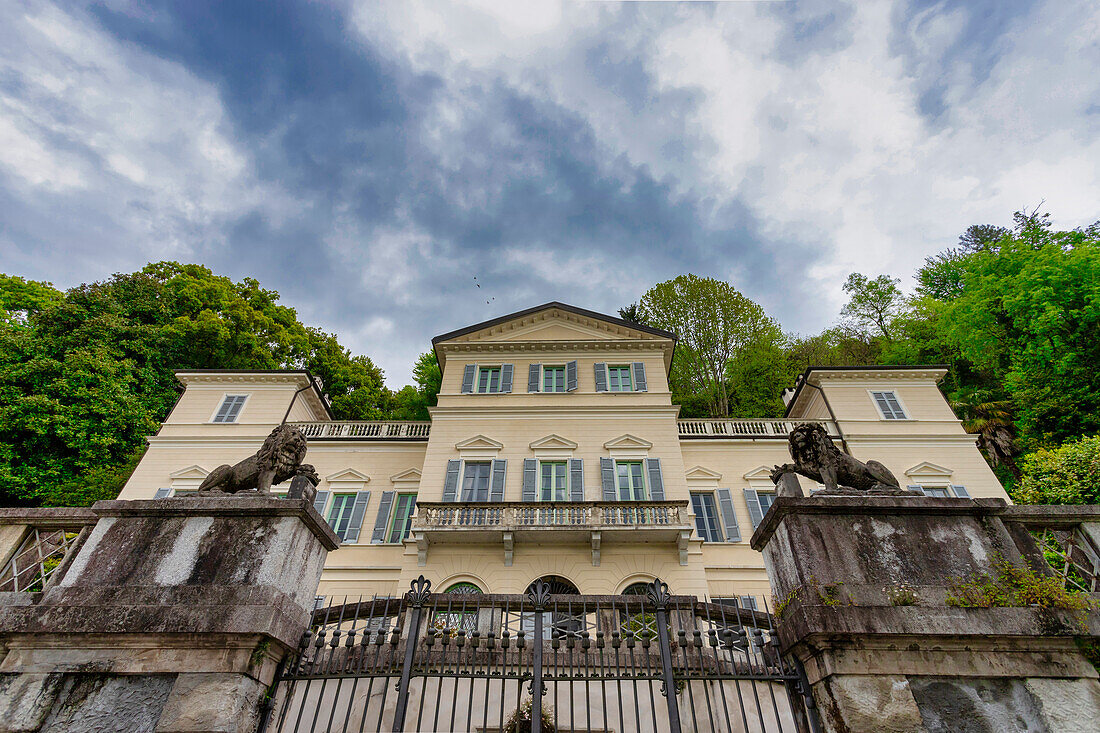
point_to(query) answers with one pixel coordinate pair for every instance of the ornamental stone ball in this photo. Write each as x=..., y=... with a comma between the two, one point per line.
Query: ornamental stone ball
x=278, y=459
x=817, y=458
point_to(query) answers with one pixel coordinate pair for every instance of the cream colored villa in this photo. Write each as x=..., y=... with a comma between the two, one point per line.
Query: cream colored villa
x=555, y=451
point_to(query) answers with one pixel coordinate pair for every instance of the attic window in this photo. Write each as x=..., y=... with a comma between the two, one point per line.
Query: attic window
x=889, y=405
x=230, y=408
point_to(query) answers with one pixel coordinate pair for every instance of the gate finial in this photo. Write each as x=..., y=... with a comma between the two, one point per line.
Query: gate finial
x=658, y=593
x=539, y=594
x=419, y=590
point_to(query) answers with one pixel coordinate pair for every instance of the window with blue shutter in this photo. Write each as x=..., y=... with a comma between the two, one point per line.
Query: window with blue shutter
x=319, y=502
x=450, y=483
x=960, y=491
x=162, y=493
x=729, y=515
x=607, y=478
x=639, y=377
x=468, y=376
x=656, y=480
x=576, y=479
x=601, y=377
x=530, y=475
x=230, y=408
x=359, y=509
x=752, y=499
x=571, y=376
x=506, y=378
x=496, y=492
x=401, y=524
x=381, y=521
x=706, y=516
x=888, y=405
x=533, y=377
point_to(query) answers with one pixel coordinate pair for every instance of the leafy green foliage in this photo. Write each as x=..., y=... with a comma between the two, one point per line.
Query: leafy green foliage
x=874, y=303
x=1069, y=474
x=1015, y=586
x=85, y=375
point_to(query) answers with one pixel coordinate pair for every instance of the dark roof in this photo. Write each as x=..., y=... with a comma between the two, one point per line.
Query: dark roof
x=546, y=306
x=306, y=372
x=800, y=381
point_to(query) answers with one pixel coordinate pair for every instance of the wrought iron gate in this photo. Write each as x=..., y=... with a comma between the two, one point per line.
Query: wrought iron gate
x=445, y=662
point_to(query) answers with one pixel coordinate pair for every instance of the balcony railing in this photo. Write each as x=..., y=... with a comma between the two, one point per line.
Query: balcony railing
x=713, y=428
x=557, y=522
x=372, y=430
x=1067, y=540
x=579, y=515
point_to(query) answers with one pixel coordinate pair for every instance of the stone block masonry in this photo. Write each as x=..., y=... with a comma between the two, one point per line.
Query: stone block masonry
x=171, y=617
x=862, y=584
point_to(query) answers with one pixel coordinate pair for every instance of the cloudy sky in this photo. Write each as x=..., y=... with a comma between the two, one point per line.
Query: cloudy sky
x=369, y=160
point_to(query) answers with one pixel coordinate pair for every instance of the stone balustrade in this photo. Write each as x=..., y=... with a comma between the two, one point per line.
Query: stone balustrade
x=367, y=430
x=712, y=428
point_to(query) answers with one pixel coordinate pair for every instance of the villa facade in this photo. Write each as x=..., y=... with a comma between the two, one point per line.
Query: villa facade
x=555, y=452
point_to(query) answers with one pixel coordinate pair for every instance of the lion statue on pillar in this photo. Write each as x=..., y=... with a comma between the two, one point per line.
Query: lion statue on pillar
x=279, y=458
x=817, y=458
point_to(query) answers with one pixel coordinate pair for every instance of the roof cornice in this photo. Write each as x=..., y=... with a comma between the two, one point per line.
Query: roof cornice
x=296, y=377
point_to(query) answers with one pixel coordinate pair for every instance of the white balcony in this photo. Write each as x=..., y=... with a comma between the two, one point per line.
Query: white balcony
x=738, y=429
x=593, y=523
x=366, y=430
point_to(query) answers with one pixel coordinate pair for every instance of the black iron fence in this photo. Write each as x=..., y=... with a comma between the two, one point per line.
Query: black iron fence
x=473, y=662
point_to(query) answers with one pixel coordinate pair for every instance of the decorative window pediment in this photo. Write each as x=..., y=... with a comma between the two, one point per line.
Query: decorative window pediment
x=348, y=475
x=479, y=442
x=926, y=470
x=628, y=441
x=703, y=474
x=191, y=472
x=410, y=475
x=761, y=473
x=553, y=442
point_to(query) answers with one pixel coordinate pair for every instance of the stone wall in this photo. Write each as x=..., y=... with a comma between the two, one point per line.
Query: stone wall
x=171, y=616
x=838, y=566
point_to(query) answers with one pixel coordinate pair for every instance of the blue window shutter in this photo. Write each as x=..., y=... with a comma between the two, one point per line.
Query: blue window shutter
x=505, y=377
x=468, y=378
x=607, y=478
x=383, y=519
x=571, y=376
x=319, y=502
x=961, y=492
x=656, y=481
x=530, y=469
x=639, y=377
x=576, y=479
x=496, y=487
x=162, y=493
x=755, y=513
x=601, y=377
x=362, y=498
x=729, y=515
x=450, y=484
x=915, y=487
x=533, y=378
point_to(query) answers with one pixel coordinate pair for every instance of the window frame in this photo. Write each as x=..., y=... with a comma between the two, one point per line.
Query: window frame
x=348, y=506
x=488, y=481
x=642, y=488
x=236, y=415
x=948, y=492
x=557, y=368
x=771, y=494
x=406, y=521
x=894, y=395
x=716, y=529
x=490, y=369
x=617, y=369
x=540, y=489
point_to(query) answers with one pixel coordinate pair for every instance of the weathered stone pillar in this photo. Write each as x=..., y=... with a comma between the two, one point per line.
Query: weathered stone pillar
x=171, y=617
x=861, y=585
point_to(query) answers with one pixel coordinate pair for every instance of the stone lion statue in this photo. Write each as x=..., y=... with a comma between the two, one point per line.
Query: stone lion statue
x=278, y=459
x=817, y=458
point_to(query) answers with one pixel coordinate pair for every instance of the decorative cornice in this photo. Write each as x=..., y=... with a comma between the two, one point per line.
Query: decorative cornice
x=862, y=375
x=466, y=347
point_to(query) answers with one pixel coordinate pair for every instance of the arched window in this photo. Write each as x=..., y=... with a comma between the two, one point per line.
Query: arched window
x=461, y=612
x=558, y=585
x=636, y=589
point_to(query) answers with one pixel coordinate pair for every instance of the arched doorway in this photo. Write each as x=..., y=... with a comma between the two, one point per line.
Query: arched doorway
x=462, y=611
x=563, y=619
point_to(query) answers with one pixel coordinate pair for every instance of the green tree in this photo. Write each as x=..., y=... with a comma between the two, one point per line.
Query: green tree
x=630, y=313
x=873, y=304
x=412, y=403
x=714, y=324
x=991, y=421
x=1069, y=474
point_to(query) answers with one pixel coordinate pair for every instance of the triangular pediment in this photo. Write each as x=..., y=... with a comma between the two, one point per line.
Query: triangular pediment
x=478, y=441
x=553, y=441
x=409, y=474
x=926, y=468
x=553, y=322
x=628, y=441
x=698, y=472
x=195, y=471
x=348, y=474
x=760, y=473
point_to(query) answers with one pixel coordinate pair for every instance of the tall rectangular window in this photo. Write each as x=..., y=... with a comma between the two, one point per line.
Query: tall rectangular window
x=475, y=481
x=889, y=406
x=553, y=379
x=230, y=408
x=767, y=498
x=488, y=380
x=629, y=475
x=552, y=484
x=706, y=517
x=402, y=517
x=339, y=516
x=618, y=379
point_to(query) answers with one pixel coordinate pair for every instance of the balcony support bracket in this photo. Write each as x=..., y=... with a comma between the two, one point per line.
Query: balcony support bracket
x=509, y=545
x=421, y=549
x=682, y=545
x=595, y=549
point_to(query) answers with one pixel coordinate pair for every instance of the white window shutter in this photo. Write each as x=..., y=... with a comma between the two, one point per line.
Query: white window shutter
x=755, y=513
x=468, y=378
x=355, y=526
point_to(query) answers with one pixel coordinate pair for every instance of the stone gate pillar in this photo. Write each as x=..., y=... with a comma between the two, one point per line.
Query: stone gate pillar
x=171, y=617
x=861, y=586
